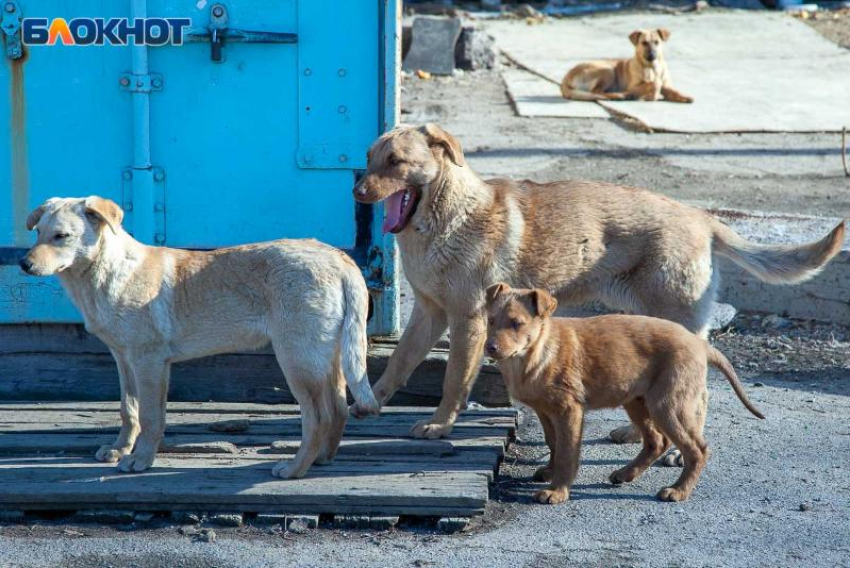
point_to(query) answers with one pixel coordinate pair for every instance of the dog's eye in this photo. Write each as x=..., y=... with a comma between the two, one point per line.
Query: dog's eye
x=516, y=324
x=490, y=321
x=60, y=236
x=394, y=161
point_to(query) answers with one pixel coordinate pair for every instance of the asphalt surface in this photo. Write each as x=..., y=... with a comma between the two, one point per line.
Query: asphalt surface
x=775, y=492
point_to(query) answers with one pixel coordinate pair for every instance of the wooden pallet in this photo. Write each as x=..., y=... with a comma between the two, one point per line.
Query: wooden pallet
x=47, y=462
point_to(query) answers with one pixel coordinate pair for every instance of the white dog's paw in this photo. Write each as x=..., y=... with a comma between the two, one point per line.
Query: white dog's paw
x=285, y=470
x=360, y=411
x=430, y=430
x=673, y=458
x=625, y=435
x=136, y=461
x=109, y=454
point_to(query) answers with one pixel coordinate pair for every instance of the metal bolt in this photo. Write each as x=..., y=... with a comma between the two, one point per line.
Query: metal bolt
x=140, y=84
x=218, y=11
x=342, y=109
x=159, y=238
x=125, y=82
x=127, y=174
x=9, y=7
x=157, y=82
x=128, y=206
x=308, y=72
x=343, y=158
x=342, y=72
x=159, y=175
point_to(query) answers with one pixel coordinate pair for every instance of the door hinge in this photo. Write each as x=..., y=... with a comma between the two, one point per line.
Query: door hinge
x=140, y=83
x=131, y=177
x=10, y=23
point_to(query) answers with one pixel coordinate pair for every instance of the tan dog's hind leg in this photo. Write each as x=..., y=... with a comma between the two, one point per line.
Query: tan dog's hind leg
x=336, y=408
x=654, y=444
x=123, y=445
x=150, y=377
x=466, y=349
x=427, y=324
x=674, y=96
x=544, y=473
x=568, y=429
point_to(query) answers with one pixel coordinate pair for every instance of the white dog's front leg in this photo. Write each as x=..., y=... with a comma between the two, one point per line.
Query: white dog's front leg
x=123, y=445
x=150, y=377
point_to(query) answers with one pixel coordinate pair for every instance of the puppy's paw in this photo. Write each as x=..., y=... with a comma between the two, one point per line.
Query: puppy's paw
x=672, y=494
x=543, y=474
x=360, y=411
x=552, y=496
x=135, y=462
x=625, y=435
x=673, y=458
x=430, y=430
x=285, y=470
x=622, y=475
x=109, y=454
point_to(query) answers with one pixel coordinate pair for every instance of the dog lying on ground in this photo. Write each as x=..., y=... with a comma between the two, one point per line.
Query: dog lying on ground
x=632, y=249
x=154, y=306
x=643, y=77
x=561, y=367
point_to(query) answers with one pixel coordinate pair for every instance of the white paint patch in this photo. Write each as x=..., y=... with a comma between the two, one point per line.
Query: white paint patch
x=201, y=4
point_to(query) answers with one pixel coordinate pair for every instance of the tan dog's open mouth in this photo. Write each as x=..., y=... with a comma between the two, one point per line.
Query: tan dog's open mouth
x=399, y=208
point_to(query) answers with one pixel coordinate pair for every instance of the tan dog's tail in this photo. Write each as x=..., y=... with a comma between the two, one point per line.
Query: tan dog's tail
x=354, y=342
x=777, y=264
x=719, y=361
x=574, y=95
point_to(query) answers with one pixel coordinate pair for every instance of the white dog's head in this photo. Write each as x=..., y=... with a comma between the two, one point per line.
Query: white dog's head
x=70, y=233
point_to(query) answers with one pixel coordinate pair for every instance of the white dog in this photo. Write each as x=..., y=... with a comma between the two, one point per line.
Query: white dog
x=154, y=306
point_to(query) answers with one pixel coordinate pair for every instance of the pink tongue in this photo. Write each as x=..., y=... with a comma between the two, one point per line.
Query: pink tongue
x=392, y=217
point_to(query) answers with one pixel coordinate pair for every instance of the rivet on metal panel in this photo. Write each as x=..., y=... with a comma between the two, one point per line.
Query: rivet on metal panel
x=9, y=7
x=308, y=72
x=125, y=82
x=342, y=109
x=159, y=238
x=342, y=72
x=343, y=158
x=128, y=206
x=308, y=158
x=140, y=84
x=127, y=174
x=159, y=175
x=156, y=82
x=218, y=11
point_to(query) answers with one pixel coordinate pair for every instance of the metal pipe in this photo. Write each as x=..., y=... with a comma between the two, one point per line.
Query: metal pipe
x=143, y=183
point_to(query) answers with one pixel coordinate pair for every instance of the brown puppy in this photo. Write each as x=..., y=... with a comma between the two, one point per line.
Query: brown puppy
x=632, y=249
x=561, y=367
x=643, y=77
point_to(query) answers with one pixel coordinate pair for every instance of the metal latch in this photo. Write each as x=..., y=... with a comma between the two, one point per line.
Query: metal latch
x=218, y=31
x=11, y=26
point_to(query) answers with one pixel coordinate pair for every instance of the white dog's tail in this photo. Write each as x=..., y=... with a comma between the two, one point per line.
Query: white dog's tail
x=354, y=342
x=777, y=264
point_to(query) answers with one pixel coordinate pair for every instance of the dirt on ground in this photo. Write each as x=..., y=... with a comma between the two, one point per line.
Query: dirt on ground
x=834, y=25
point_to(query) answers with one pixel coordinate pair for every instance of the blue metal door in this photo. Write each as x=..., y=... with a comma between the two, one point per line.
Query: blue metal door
x=253, y=129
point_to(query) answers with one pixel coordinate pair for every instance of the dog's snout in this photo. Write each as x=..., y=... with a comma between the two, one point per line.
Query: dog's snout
x=491, y=346
x=359, y=190
x=26, y=264
x=651, y=56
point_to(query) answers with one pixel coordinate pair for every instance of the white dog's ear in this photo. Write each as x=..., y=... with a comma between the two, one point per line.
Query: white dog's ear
x=634, y=37
x=544, y=303
x=36, y=214
x=104, y=210
x=495, y=291
x=664, y=33
x=438, y=137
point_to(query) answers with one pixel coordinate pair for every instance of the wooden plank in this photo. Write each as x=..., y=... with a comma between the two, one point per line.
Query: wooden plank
x=238, y=485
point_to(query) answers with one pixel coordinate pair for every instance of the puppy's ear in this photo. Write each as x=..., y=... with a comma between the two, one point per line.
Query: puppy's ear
x=438, y=137
x=495, y=291
x=36, y=214
x=544, y=303
x=634, y=37
x=104, y=211
x=664, y=33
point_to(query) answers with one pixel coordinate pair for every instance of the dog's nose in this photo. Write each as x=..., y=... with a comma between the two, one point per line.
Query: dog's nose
x=25, y=264
x=491, y=346
x=651, y=56
x=359, y=190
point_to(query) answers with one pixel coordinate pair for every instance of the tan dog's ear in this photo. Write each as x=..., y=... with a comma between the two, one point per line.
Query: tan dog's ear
x=36, y=214
x=544, y=303
x=634, y=37
x=664, y=33
x=104, y=210
x=495, y=291
x=438, y=137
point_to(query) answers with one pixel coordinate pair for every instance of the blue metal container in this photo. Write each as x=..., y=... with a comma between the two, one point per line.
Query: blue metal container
x=254, y=129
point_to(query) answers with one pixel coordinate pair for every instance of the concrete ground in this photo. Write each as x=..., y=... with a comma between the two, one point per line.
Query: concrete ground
x=775, y=492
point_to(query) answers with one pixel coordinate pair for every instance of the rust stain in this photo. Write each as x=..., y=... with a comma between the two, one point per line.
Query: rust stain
x=19, y=151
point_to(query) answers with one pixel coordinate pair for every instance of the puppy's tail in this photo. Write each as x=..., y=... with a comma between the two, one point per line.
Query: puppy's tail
x=719, y=361
x=354, y=342
x=777, y=264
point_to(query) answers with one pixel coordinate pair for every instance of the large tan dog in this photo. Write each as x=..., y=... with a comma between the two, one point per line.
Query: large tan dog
x=154, y=306
x=632, y=249
x=562, y=367
x=643, y=77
